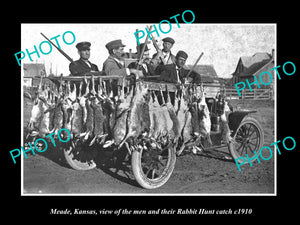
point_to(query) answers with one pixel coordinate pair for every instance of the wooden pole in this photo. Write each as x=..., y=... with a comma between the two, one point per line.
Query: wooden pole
x=187, y=76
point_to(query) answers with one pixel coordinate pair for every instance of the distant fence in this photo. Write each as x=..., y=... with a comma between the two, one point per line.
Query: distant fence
x=211, y=90
x=255, y=94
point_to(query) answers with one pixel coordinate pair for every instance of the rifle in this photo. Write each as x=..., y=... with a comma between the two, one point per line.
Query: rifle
x=187, y=76
x=154, y=42
x=156, y=46
x=143, y=49
x=137, y=42
x=61, y=51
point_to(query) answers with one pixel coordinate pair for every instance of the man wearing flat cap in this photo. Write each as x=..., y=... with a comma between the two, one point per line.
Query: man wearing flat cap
x=165, y=56
x=83, y=65
x=114, y=64
x=146, y=65
x=176, y=73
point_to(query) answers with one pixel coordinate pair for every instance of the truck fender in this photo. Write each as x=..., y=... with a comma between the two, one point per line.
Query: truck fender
x=235, y=118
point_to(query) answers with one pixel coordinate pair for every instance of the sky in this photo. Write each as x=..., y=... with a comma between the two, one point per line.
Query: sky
x=222, y=44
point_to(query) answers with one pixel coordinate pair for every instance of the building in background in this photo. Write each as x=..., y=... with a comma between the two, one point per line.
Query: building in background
x=32, y=73
x=250, y=66
x=212, y=83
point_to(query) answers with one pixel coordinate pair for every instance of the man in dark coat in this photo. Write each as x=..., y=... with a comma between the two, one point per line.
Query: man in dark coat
x=175, y=73
x=83, y=65
x=147, y=66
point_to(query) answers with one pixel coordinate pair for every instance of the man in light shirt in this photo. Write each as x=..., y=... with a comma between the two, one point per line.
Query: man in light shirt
x=165, y=56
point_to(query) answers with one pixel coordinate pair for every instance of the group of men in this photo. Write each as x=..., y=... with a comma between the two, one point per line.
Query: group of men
x=164, y=63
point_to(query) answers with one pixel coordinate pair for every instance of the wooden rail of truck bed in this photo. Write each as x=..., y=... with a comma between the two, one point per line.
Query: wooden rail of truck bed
x=153, y=85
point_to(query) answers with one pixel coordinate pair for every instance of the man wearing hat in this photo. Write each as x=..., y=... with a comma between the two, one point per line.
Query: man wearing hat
x=114, y=64
x=165, y=57
x=83, y=65
x=146, y=66
x=176, y=73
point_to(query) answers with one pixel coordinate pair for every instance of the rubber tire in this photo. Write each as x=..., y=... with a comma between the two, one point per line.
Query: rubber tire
x=231, y=147
x=74, y=163
x=152, y=183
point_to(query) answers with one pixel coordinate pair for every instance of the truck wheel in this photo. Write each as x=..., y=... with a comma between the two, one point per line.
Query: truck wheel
x=79, y=158
x=248, y=138
x=152, y=167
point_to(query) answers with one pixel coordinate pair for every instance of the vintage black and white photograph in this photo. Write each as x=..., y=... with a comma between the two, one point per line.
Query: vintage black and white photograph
x=148, y=108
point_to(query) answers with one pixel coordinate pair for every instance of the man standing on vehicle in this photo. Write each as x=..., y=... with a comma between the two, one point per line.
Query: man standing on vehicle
x=165, y=56
x=147, y=65
x=114, y=64
x=176, y=73
x=83, y=65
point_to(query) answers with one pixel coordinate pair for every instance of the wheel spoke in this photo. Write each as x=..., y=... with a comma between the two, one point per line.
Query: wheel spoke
x=153, y=163
x=246, y=130
x=238, y=139
x=255, y=138
x=161, y=162
x=149, y=169
x=252, y=133
x=252, y=144
x=249, y=130
x=241, y=132
x=248, y=138
x=250, y=148
x=153, y=173
x=144, y=164
x=155, y=160
x=243, y=147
